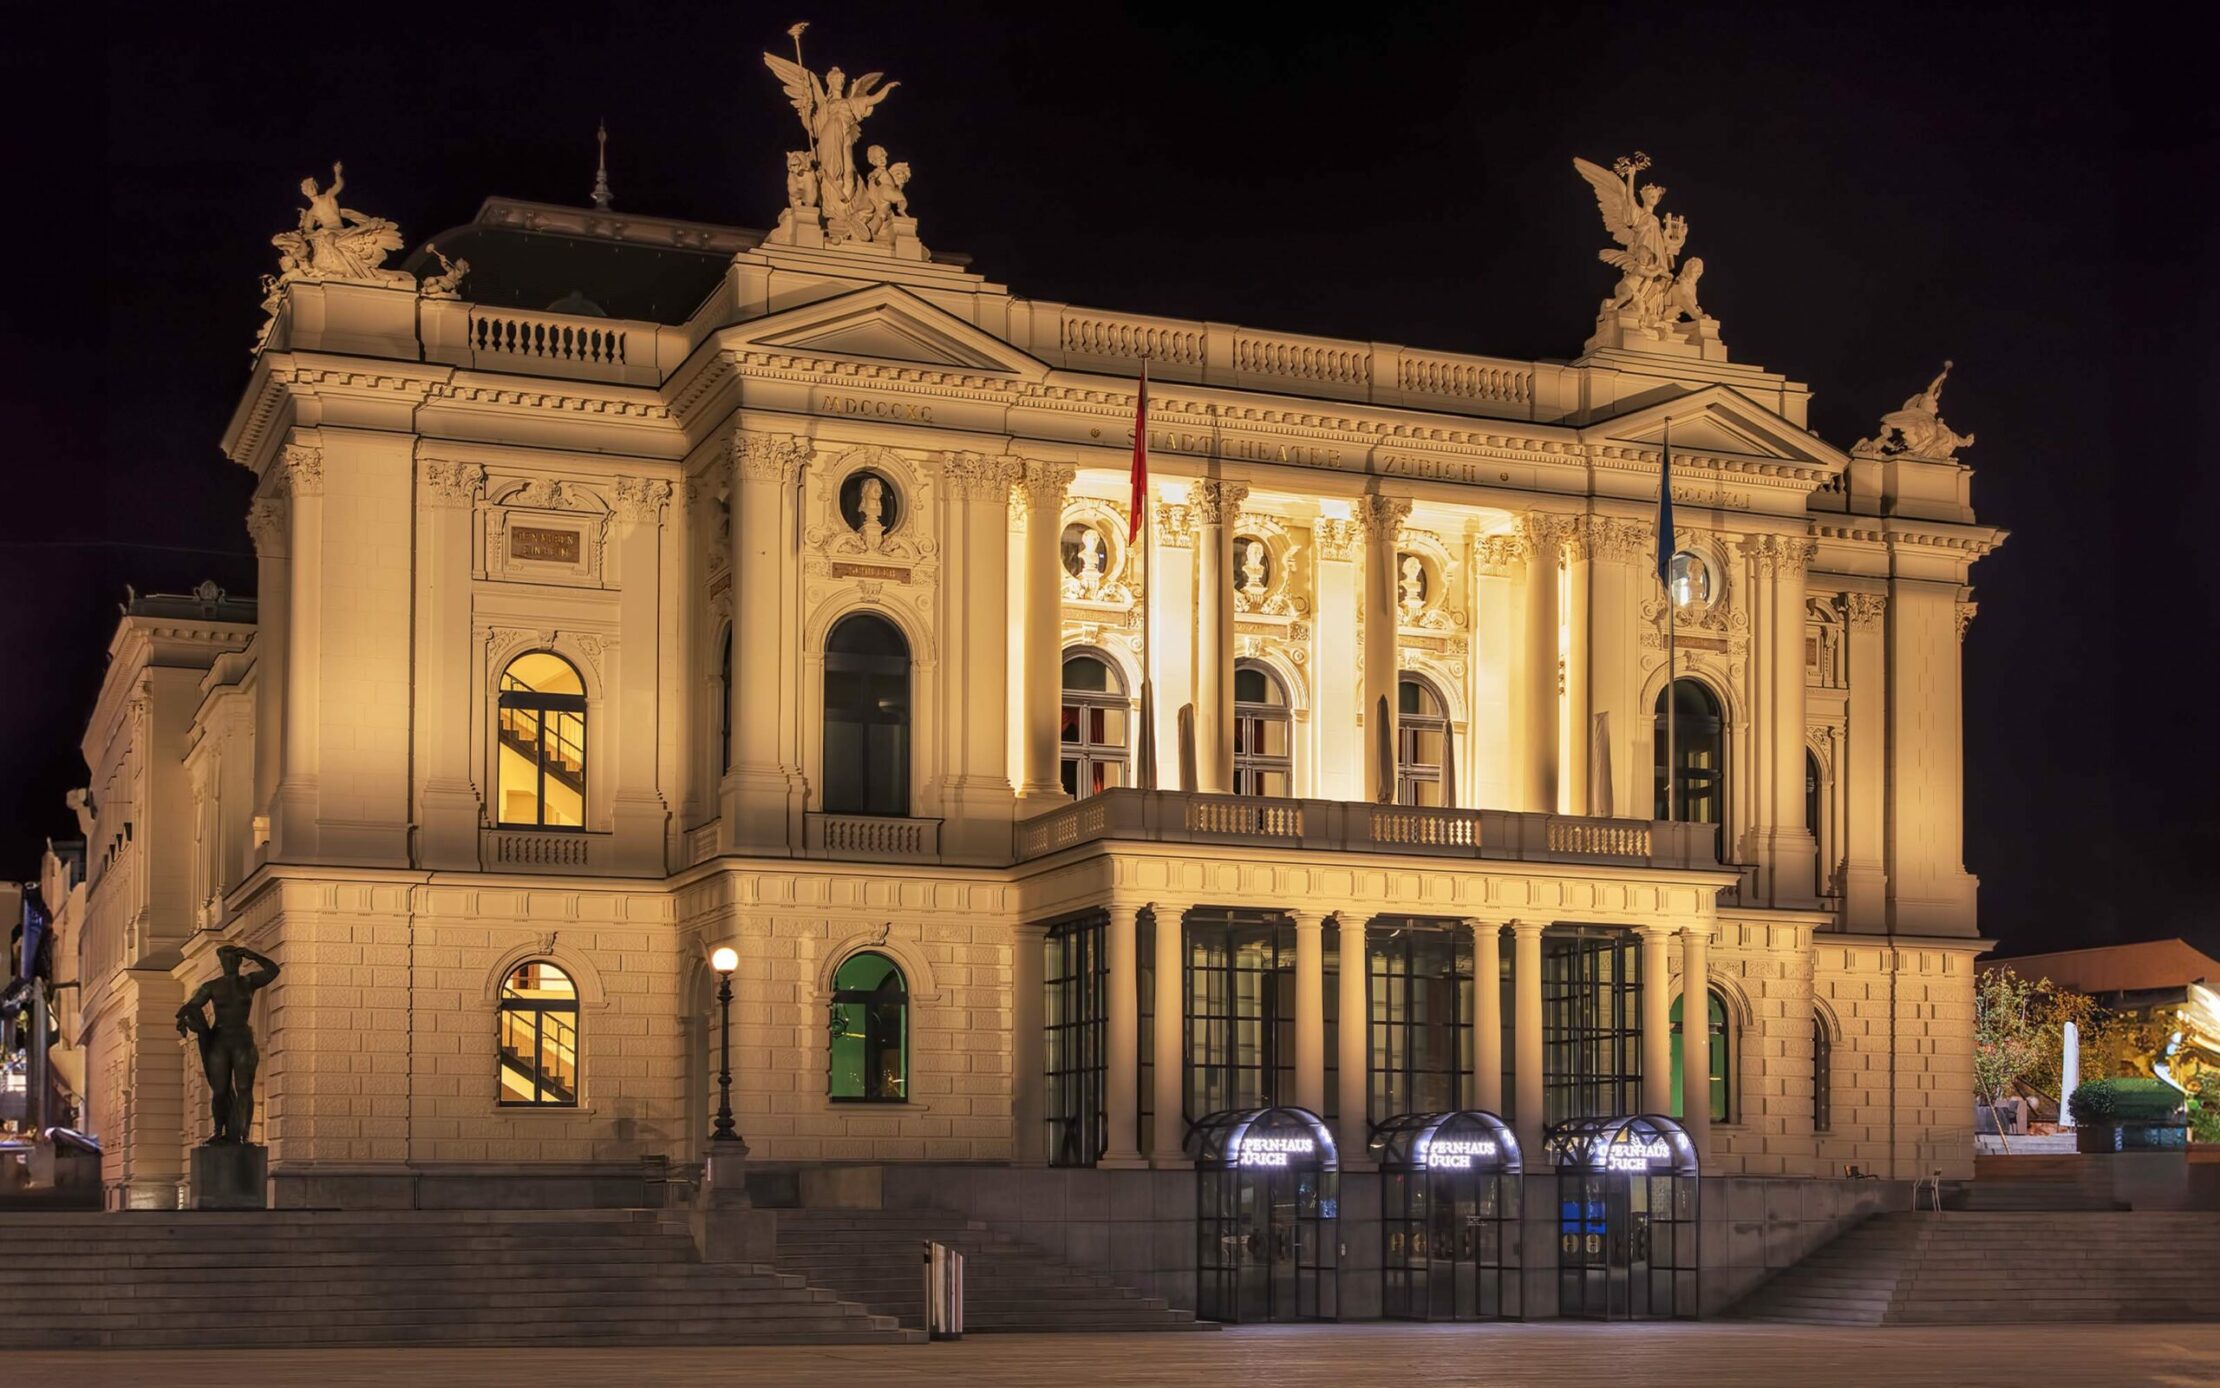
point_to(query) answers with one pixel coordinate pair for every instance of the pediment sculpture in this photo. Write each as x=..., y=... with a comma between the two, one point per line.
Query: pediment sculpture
x=830, y=201
x=330, y=243
x=1917, y=430
x=1653, y=297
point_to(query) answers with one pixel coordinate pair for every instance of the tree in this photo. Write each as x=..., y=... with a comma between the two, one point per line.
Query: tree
x=2009, y=1031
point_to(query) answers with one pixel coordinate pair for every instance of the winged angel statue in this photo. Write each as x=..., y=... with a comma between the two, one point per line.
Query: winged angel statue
x=822, y=184
x=1649, y=289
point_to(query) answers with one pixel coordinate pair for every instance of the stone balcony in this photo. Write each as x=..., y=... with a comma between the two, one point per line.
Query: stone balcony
x=1354, y=827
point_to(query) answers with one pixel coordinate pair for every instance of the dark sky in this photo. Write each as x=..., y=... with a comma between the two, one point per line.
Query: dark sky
x=2027, y=191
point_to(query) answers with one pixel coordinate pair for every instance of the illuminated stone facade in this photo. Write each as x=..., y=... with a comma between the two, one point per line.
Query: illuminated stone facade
x=721, y=441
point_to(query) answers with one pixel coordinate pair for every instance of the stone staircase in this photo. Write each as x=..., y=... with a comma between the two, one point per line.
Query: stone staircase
x=404, y=1277
x=2039, y=1181
x=876, y=1258
x=1978, y=1268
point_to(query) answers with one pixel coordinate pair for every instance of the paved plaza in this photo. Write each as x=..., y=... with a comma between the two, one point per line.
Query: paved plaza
x=1718, y=1355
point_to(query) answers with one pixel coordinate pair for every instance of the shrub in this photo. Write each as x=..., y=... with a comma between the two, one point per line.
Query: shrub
x=2204, y=1121
x=2125, y=1101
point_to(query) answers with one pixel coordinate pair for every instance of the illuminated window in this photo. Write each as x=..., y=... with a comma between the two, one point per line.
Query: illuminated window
x=870, y=1026
x=1698, y=734
x=1812, y=810
x=1076, y=971
x=867, y=718
x=1420, y=976
x=1263, y=732
x=539, y=1037
x=1722, y=1057
x=1093, y=729
x=1422, y=744
x=543, y=743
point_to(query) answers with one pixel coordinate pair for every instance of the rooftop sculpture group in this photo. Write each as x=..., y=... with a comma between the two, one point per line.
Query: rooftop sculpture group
x=330, y=243
x=1917, y=430
x=824, y=190
x=1651, y=297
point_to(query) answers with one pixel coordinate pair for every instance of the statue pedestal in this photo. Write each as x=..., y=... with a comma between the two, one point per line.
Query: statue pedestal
x=727, y=1228
x=230, y=1176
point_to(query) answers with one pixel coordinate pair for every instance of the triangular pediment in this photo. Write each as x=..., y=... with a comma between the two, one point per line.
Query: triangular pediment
x=1719, y=421
x=889, y=324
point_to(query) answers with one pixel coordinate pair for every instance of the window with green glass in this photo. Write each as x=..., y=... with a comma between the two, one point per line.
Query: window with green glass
x=869, y=1054
x=1722, y=1078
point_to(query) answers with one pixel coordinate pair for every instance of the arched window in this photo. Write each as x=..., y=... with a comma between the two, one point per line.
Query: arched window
x=867, y=718
x=1698, y=734
x=1722, y=1056
x=539, y=1037
x=1822, y=1076
x=1811, y=822
x=870, y=1046
x=1094, y=726
x=543, y=743
x=724, y=704
x=1263, y=732
x=1422, y=753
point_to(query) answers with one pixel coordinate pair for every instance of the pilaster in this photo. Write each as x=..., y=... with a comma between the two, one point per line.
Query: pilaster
x=1382, y=519
x=761, y=798
x=1213, y=505
x=449, y=809
x=1865, y=765
x=1045, y=487
x=640, y=814
x=974, y=610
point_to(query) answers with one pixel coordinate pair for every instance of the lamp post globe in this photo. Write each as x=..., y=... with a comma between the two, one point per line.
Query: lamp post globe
x=724, y=960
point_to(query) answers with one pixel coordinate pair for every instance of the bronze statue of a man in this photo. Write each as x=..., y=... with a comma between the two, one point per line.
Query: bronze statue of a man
x=227, y=1052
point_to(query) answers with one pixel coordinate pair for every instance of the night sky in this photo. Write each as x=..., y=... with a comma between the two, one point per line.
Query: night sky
x=2025, y=191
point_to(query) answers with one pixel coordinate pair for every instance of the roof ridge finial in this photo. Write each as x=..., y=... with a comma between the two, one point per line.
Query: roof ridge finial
x=602, y=196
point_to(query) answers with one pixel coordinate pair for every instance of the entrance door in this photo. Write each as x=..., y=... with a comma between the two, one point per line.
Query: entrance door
x=1267, y=1243
x=1286, y=1250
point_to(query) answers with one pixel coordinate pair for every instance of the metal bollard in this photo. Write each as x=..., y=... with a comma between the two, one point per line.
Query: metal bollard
x=944, y=1292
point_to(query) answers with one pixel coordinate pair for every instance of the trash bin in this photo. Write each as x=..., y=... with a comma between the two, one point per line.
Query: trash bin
x=944, y=1292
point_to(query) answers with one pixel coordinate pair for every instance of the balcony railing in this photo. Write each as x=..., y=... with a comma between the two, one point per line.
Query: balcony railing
x=872, y=838
x=543, y=850
x=1342, y=826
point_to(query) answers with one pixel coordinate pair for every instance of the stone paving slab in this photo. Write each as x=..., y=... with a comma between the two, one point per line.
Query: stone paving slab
x=1719, y=1355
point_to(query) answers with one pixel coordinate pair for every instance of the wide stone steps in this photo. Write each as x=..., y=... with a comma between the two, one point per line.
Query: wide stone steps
x=607, y=1278
x=876, y=1258
x=1981, y=1268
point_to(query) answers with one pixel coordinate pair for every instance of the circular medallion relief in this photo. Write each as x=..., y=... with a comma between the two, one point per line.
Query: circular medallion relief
x=868, y=498
x=1252, y=566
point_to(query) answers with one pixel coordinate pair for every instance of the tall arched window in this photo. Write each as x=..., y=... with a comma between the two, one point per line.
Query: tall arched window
x=543, y=743
x=1094, y=726
x=539, y=1037
x=1263, y=732
x=1699, y=738
x=1822, y=1076
x=1719, y=1049
x=1422, y=750
x=869, y=1054
x=724, y=704
x=867, y=718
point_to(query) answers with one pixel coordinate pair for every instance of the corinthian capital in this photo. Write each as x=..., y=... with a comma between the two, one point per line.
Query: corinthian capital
x=1863, y=609
x=1337, y=539
x=1175, y=525
x=640, y=500
x=1544, y=534
x=1782, y=556
x=449, y=483
x=768, y=457
x=1213, y=502
x=980, y=476
x=266, y=517
x=303, y=469
x=1046, y=486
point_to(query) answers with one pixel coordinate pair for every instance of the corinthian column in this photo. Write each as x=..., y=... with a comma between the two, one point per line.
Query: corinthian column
x=1544, y=534
x=1213, y=505
x=761, y=796
x=1382, y=518
x=1044, y=488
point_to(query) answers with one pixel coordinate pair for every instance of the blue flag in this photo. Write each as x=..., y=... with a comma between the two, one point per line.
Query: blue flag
x=1665, y=513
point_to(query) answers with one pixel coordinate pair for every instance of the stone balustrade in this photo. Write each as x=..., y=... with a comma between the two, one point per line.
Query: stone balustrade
x=545, y=850
x=1340, y=826
x=872, y=838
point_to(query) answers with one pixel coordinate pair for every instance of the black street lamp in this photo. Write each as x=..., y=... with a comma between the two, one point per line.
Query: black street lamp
x=724, y=960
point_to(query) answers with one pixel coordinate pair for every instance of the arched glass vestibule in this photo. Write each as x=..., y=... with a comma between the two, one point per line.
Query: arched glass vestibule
x=1626, y=1218
x=1267, y=1235
x=1449, y=1217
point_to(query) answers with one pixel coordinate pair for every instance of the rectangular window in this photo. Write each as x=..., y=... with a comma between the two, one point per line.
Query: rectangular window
x=1422, y=1007
x=1591, y=1024
x=1077, y=975
x=1240, y=1012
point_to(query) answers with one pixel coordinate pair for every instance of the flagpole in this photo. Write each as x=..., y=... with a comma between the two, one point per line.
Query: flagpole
x=1672, y=674
x=1142, y=503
